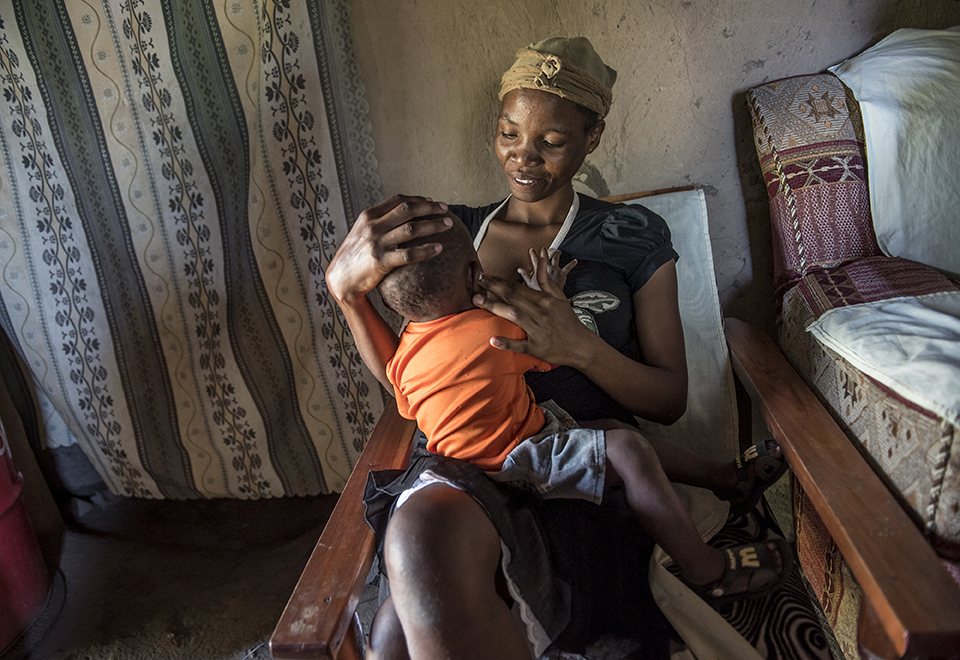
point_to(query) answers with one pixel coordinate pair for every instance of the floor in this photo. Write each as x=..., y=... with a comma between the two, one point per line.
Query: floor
x=199, y=580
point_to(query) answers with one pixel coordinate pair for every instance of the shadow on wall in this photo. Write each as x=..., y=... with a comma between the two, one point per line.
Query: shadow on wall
x=757, y=293
x=920, y=14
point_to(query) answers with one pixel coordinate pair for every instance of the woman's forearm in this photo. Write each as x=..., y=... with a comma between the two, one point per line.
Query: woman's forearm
x=658, y=394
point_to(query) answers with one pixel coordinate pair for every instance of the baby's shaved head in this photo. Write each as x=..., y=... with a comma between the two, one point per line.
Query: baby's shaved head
x=420, y=290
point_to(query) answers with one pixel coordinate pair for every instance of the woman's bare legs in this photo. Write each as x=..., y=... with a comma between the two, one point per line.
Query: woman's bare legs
x=386, y=641
x=442, y=556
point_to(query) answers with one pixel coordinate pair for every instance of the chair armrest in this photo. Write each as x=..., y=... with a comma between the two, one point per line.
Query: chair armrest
x=320, y=611
x=914, y=597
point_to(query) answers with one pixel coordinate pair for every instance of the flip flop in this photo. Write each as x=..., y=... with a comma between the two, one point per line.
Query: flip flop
x=746, y=562
x=767, y=469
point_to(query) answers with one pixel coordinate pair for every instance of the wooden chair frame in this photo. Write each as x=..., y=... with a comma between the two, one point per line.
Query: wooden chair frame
x=319, y=620
x=911, y=603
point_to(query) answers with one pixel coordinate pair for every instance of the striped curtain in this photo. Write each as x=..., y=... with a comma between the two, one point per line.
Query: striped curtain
x=176, y=176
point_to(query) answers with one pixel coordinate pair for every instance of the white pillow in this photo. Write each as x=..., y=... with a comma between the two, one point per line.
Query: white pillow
x=908, y=86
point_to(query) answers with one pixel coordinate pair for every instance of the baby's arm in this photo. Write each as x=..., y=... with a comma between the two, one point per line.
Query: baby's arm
x=545, y=271
x=376, y=341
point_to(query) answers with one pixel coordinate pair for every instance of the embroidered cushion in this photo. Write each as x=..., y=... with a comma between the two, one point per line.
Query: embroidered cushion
x=810, y=153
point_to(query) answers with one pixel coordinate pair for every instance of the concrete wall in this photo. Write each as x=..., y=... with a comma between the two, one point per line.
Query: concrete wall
x=432, y=70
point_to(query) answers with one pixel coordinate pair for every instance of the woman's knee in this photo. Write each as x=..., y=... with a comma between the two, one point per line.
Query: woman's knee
x=386, y=641
x=440, y=530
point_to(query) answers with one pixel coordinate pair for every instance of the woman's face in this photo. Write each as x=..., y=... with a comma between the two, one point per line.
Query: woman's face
x=541, y=142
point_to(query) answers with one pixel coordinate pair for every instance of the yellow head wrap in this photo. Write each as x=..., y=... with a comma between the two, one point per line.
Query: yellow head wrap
x=569, y=68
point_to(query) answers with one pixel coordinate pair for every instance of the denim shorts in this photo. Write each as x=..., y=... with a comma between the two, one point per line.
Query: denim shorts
x=561, y=461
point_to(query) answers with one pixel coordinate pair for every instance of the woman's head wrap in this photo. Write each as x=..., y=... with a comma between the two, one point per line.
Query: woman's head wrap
x=569, y=68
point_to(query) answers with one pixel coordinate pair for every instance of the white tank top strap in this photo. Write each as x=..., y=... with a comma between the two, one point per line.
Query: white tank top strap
x=562, y=234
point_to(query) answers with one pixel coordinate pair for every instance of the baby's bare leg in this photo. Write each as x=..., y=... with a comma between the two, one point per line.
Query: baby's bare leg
x=681, y=464
x=632, y=460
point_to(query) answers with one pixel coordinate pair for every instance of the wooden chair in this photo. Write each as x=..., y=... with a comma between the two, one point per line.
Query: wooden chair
x=913, y=605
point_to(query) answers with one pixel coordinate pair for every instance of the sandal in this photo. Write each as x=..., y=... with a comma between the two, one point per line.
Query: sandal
x=743, y=565
x=767, y=470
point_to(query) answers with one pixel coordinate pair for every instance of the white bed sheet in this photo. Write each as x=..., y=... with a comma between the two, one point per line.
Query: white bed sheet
x=911, y=345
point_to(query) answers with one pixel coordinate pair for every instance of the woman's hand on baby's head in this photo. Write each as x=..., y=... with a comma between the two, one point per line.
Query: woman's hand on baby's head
x=371, y=248
x=545, y=273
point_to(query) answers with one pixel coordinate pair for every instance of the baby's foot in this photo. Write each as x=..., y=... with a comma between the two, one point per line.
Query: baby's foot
x=748, y=571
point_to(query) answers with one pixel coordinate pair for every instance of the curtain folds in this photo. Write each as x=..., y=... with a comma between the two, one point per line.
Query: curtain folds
x=176, y=176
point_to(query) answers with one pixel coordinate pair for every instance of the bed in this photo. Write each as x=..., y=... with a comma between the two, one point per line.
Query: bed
x=860, y=165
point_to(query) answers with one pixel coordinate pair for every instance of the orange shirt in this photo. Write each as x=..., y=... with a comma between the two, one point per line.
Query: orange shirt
x=469, y=398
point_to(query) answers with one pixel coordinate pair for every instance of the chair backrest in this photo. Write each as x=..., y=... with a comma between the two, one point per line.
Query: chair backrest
x=710, y=422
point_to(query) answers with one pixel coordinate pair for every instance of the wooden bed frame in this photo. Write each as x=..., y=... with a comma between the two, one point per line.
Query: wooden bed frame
x=911, y=604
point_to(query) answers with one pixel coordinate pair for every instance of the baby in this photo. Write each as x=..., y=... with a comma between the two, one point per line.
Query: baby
x=471, y=401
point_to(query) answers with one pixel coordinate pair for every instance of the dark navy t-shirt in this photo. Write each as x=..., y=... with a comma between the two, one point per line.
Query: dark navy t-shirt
x=618, y=247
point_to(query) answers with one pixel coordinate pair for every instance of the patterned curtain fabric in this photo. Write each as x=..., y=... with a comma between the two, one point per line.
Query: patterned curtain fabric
x=176, y=176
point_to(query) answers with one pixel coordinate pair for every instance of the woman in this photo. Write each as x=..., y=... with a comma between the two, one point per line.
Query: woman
x=444, y=548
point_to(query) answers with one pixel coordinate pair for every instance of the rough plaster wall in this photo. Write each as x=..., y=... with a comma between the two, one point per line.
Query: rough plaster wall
x=432, y=69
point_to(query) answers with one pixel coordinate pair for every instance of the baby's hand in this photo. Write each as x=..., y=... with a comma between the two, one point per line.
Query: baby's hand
x=545, y=272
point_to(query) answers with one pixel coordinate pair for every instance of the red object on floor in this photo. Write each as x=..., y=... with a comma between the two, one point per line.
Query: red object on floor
x=24, y=577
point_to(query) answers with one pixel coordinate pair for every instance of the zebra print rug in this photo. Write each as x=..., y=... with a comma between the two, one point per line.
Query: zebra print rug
x=782, y=626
